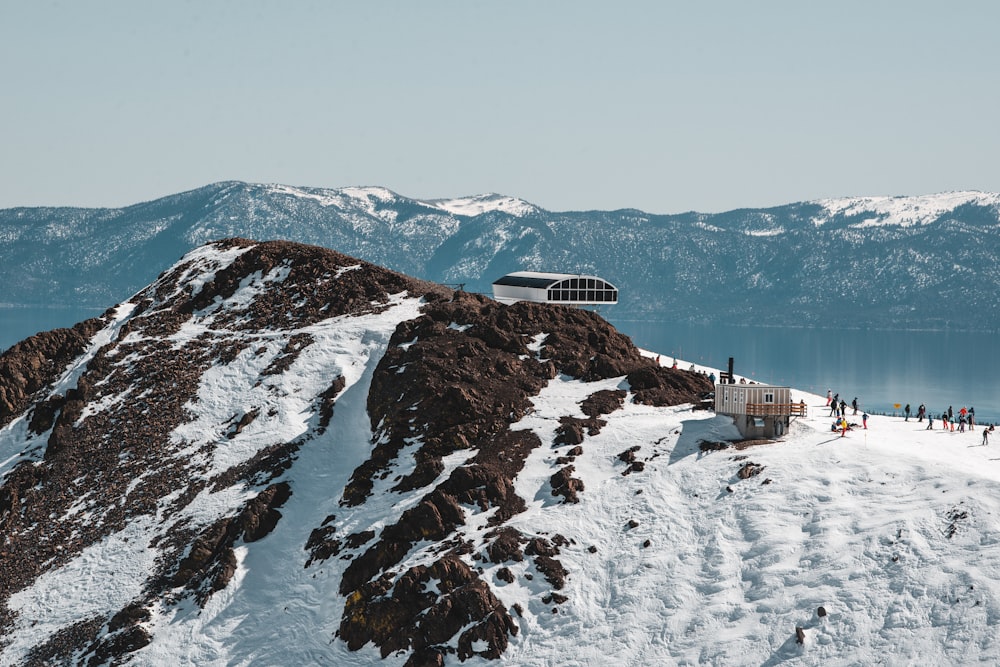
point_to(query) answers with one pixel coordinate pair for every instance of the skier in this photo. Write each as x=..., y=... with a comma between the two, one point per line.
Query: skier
x=906, y=411
x=854, y=404
x=828, y=396
x=930, y=422
x=864, y=420
x=921, y=412
x=972, y=418
x=986, y=435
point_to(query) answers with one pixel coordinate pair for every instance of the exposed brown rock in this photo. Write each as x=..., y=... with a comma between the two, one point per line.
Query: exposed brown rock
x=36, y=362
x=603, y=402
x=446, y=388
x=411, y=619
x=105, y=456
x=628, y=456
x=506, y=545
x=572, y=429
x=748, y=470
x=660, y=386
x=565, y=485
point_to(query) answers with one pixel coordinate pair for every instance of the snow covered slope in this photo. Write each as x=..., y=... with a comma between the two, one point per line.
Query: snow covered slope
x=276, y=454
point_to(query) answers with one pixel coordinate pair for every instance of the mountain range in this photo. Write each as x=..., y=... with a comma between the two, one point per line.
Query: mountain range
x=917, y=262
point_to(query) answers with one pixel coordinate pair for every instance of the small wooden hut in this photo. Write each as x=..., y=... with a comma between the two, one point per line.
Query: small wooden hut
x=758, y=410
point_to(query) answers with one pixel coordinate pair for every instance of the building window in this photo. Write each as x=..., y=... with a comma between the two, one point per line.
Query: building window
x=769, y=397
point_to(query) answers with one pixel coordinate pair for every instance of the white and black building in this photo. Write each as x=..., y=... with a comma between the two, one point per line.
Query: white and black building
x=563, y=288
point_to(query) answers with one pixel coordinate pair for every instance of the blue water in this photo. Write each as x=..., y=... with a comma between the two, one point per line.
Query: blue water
x=17, y=323
x=880, y=368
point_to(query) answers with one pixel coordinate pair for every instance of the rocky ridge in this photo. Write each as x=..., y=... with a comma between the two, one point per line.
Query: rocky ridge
x=171, y=428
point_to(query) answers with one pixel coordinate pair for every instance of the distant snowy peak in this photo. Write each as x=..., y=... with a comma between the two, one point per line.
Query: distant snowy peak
x=479, y=204
x=372, y=198
x=904, y=211
x=367, y=198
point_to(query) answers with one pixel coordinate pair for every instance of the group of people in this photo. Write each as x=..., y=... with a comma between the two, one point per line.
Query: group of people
x=838, y=409
x=964, y=417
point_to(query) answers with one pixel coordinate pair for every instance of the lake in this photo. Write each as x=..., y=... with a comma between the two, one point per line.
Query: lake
x=880, y=368
x=17, y=322
x=937, y=368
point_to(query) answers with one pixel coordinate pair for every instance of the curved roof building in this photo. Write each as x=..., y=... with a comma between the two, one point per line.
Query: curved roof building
x=565, y=288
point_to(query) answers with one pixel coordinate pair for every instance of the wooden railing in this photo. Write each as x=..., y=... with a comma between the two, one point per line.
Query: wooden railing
x=767, y=409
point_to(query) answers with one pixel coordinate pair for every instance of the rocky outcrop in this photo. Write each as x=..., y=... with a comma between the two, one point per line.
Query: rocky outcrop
x=127, y=439
x=660, y=386
x=105, y=454
x=33, y=364
x=456, y=379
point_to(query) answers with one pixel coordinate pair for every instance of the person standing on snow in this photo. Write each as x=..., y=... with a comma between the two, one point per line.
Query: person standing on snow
x=906, y=411
x=930, y=422
x=854, y=404
x=828, y=396
x=921, y=411
x=986, y=436
x=972, y=418
x=843, y=408
x=864, y=419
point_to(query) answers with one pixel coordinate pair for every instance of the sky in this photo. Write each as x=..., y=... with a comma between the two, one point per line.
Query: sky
x=572, y=105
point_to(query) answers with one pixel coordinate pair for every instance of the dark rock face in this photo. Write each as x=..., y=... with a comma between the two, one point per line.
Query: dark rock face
x=34, y=363
x=121, y=457
x=455, y=379
x=125, y=439
x=656, y=385
x=565, y=485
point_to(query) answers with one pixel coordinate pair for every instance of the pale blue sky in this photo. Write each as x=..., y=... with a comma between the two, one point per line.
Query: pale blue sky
x=661, y=106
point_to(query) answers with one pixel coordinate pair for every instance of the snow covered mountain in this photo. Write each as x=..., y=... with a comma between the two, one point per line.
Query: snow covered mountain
x=883, y=262
x=278, y=454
